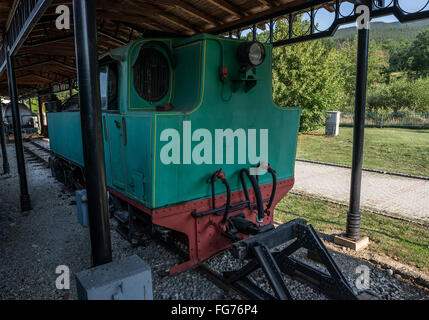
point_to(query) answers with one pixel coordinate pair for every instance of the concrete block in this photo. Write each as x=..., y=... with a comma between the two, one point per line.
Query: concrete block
x=126, y=279
x=355, y=245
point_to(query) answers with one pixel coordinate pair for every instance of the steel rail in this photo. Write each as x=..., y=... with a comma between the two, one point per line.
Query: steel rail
x=40, y=146
x=35, y=155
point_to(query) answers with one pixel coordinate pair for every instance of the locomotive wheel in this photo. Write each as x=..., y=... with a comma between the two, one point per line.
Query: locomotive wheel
x=51, y=165
x=68, y=174
x=57, y=169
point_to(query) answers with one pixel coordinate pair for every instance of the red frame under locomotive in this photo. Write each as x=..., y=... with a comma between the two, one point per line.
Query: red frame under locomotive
x=204, y=224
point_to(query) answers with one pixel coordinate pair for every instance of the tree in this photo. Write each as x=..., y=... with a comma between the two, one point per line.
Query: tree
x=398, y=54
x=396, y=95
x=421, y=95
x=306, y=75
x=378, y=64
x=419, y=54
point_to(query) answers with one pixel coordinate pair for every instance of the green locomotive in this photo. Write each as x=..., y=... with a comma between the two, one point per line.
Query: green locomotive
x=191, y=137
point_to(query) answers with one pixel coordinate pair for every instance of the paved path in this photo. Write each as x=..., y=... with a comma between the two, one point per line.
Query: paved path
x=397, y=195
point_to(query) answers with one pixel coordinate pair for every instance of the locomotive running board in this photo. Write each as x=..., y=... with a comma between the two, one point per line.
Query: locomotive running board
x=257, y=249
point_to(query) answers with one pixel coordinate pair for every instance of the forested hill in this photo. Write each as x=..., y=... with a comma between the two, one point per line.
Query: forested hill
x=382, y=32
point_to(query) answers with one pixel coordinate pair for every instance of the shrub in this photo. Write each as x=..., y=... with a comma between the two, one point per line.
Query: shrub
x=305, y=75
x=402, y=94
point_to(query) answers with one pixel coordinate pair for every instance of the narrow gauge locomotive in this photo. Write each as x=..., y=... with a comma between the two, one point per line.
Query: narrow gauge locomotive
x=186, y=124
x=28, y=126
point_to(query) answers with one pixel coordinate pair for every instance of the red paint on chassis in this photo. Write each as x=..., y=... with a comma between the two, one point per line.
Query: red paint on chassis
x=204, y=234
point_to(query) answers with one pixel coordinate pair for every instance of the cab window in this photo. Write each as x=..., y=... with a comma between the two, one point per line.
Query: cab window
x=103, y=86
x=109, y=87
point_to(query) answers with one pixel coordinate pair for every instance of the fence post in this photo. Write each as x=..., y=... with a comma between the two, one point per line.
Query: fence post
x=381, y=120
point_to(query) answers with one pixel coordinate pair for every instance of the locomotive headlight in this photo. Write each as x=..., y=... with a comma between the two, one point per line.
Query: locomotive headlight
x=251, y=53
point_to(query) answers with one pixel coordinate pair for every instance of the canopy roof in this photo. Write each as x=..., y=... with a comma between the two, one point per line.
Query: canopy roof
x=45, y=55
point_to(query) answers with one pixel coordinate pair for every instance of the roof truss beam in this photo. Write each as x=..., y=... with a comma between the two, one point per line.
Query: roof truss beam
x=229, y=8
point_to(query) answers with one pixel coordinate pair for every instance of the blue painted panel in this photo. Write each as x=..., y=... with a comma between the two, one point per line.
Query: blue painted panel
x=65, y=135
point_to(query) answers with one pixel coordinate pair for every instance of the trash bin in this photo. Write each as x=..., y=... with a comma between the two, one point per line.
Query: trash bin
x=332, y=123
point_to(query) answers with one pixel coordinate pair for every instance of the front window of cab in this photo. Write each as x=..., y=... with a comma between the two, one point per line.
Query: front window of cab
x=109, y=87
x=103, y=86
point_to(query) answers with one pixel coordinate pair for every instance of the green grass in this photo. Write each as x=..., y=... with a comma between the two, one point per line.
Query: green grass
x=398, y=150
x=407, y=242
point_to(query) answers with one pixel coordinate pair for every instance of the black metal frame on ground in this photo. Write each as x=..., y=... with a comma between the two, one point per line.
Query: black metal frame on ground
x=258, y=249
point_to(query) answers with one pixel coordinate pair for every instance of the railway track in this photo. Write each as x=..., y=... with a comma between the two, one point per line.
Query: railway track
x=40, y=146
x=37, y=151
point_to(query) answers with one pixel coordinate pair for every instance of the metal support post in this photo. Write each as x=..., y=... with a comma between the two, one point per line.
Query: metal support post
x=20, y=160
x=92, y=134
x=354, y=215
